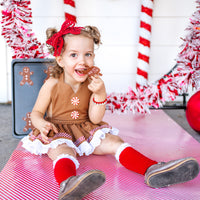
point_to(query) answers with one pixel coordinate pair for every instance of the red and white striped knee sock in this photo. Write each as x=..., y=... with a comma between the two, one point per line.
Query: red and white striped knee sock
x=64, y=167
x=132, y=159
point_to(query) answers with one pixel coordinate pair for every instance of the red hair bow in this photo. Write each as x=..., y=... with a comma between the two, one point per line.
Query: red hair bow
x=57, y=40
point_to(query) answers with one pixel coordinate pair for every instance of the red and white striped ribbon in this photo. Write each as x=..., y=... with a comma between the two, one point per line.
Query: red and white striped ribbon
x=144, y=42
x=70, y=10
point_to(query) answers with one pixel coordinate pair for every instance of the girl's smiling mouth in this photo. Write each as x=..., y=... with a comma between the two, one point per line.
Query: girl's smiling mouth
x=81, y=71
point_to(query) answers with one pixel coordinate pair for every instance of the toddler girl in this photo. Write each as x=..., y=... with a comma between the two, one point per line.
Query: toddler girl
x=74, y=104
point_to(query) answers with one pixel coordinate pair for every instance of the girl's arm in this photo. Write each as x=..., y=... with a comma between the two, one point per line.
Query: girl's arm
x=97, y=111
x=41, y=105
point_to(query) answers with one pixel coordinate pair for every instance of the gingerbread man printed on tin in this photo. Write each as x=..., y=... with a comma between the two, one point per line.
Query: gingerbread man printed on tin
x=28, y=122
x=26, y=73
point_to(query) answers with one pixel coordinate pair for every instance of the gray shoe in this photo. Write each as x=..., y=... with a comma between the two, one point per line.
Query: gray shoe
x=76, y=187
x=170, y=173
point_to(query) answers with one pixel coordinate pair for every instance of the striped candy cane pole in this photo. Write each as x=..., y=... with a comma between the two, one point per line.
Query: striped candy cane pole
x=70, y=10
x=144, y=42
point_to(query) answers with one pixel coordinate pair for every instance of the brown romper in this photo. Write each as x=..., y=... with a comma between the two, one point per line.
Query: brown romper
x=70, y=116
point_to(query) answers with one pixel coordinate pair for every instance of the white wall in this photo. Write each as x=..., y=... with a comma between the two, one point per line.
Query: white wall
x=4, y=74
x=118, y=21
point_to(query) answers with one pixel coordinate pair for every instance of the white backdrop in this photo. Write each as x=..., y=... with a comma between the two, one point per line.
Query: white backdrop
x=118, y=21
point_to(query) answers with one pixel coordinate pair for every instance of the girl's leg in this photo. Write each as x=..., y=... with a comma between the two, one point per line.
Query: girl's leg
x=125, y=154
x=156, y=174
x=72, y=186
x=64, y=162
x=132, y=159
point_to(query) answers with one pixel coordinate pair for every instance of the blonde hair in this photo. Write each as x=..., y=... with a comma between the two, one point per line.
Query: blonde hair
x=88, y=31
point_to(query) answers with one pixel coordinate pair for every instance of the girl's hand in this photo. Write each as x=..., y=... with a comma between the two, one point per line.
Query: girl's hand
x=96, y=112
x=97, y=86
x=44, y=130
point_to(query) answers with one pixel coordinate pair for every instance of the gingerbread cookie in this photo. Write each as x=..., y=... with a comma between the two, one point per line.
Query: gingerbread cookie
x=91, y=71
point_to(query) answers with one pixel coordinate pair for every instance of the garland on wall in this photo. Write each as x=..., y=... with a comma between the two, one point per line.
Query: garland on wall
x=16, y=21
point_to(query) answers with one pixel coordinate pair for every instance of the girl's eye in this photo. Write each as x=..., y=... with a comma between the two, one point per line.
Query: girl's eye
x=73, y=55
x=88, y=54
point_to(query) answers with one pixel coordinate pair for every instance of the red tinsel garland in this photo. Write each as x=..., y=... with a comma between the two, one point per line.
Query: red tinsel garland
x=16, y=20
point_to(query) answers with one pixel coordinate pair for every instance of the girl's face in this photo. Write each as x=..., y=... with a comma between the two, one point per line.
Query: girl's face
x=77, y=56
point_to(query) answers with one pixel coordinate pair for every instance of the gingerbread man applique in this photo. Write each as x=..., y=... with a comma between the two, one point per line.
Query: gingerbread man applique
x=48, y=72
x=26, y=73
x=28, y=122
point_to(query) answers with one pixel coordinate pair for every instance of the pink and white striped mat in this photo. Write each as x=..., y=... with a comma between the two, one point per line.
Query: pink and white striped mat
x=30, y=177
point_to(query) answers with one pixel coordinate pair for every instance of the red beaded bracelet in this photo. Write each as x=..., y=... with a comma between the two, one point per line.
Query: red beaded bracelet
x=100, y=103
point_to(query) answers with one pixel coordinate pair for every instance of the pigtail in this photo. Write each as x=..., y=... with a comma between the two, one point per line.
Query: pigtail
x=94, y=33
x=49, y=33
x=56, y=70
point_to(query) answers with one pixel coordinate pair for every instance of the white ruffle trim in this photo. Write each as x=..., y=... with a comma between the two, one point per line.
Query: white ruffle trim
x=74, y=160
x=120, y=149
x=38, y=148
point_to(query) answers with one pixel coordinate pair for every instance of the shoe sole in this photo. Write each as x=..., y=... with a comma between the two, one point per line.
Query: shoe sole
x=181, y=172
x=88, y=183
